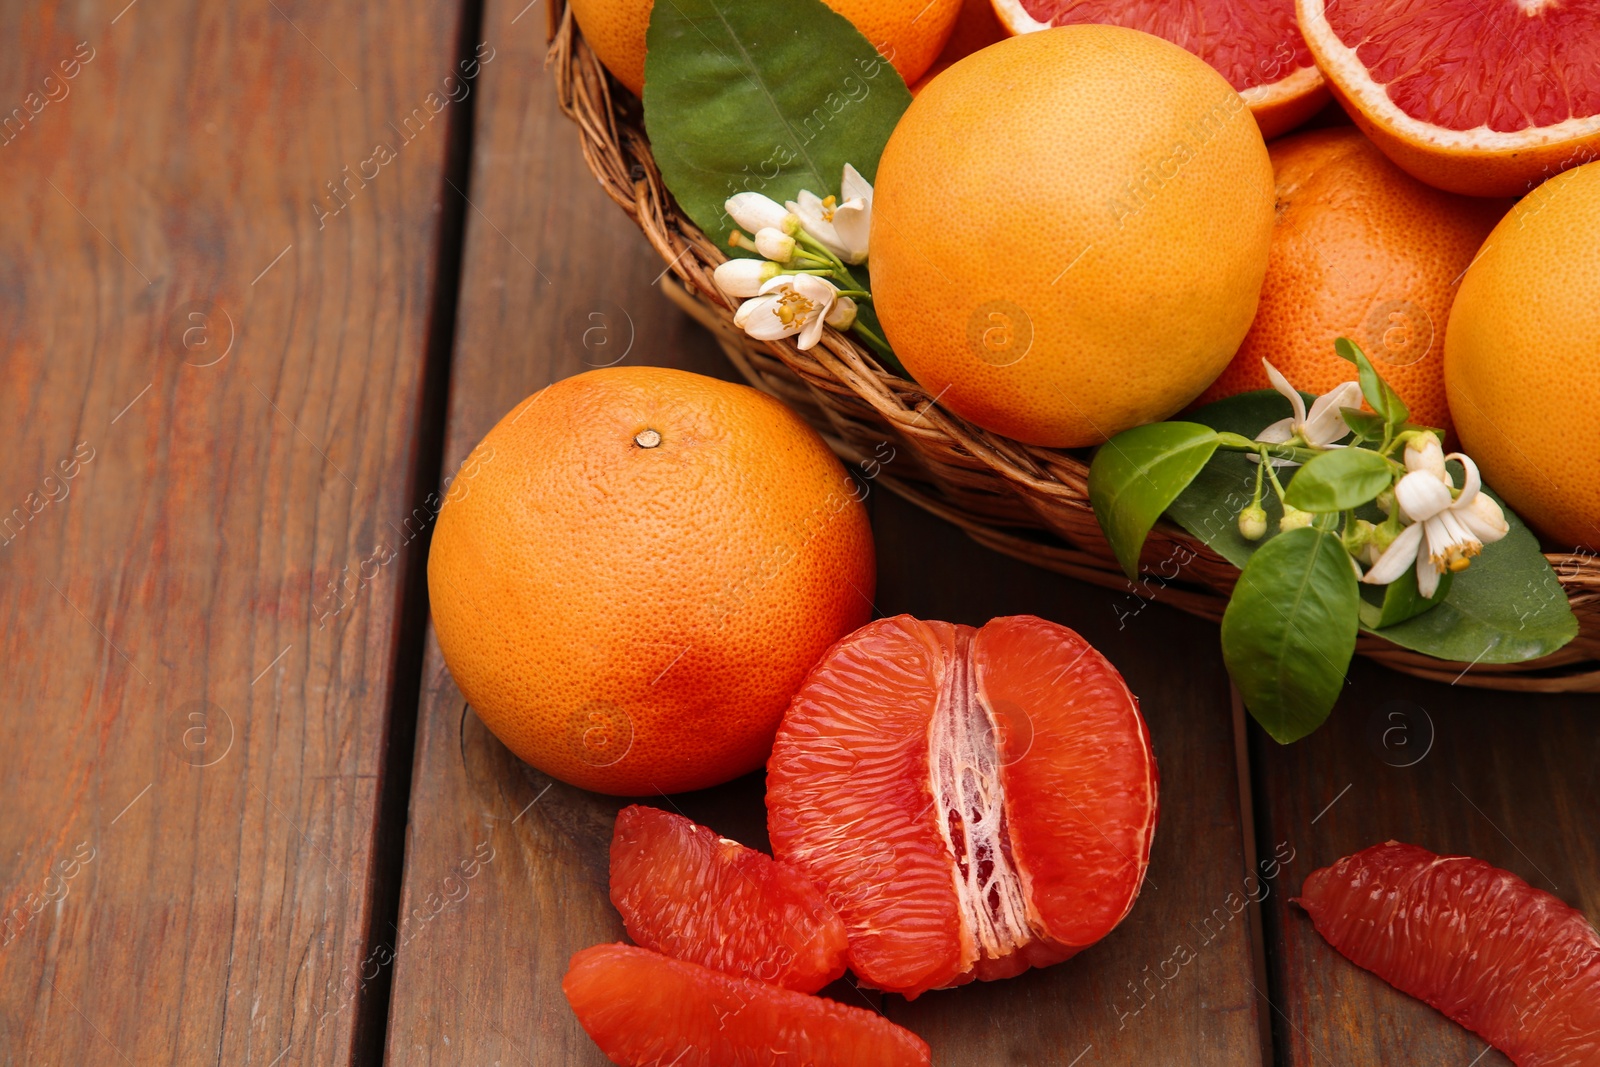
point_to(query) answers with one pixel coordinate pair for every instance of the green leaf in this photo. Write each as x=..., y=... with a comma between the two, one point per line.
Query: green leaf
x=1507, y=607
x=1137, y=474
x=1384, y=400
x=1290, y=629
x=1340, y=480
x=750, y=96
x=1389, y=605
x=1368, y=427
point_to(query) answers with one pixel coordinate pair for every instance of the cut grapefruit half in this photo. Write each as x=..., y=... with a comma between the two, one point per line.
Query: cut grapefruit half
x=648, y=1010
x=693, y=895
x=975, y=801
x=1255, y=44
x=1484, y=97
x=1512, y=963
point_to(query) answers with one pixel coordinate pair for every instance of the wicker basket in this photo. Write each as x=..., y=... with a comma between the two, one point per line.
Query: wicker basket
x=1025, y=501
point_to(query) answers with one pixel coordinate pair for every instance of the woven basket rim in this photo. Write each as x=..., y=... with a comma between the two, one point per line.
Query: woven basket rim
x=1026, y=501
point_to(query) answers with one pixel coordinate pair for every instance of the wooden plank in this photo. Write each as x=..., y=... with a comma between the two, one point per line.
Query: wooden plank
x=213, y=370
x=1506, y=777
x=506, y=870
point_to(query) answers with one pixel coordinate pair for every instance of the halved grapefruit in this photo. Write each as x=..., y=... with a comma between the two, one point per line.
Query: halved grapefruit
x=975, y=801
x=1484, y=97
x=648, y=1010
x=693, y=895
x=1255, y=44
x=1510, y=962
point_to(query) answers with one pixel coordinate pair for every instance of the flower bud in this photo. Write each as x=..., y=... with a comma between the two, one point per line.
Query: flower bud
x=1253, y=523
x=1423, y=453
x=739, y=278
x=1293, y=519
x=775, y=245
x=1383, y=536
x=1357, y=536
x=1385, y=501
x=842, y=315
x=756, y=212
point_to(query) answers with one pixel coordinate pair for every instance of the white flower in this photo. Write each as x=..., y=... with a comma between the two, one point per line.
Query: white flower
x=1319, y=428
x=1444, y=534
x=740, y=278
x=839, y=225
x=790, y=305
x=756, y=211
x=774, y=244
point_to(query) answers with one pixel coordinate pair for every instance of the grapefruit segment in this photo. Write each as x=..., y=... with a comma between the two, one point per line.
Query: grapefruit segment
x=1484, y=97
x=849, y=800
x=1255, y=44
x=976, y=802
x=648, y=1010
x=1510, y=962
x=1082, y=814
x=693, y=895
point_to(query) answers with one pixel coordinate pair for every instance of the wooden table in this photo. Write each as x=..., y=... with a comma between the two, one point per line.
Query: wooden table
x=269, y=270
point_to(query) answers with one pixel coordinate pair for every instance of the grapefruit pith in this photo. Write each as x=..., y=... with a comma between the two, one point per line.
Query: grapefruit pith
x=1510, y=962
x=684, y=891
x=648, y=1010
x=1255, y=44
x=1484, y=97
x=975, y=801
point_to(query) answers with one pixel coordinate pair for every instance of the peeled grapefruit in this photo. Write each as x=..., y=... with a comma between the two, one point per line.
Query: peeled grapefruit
x=648, y=1010
x=1522, y=359
x=684, y=891
x=1255, y=44
x=1059, y=281
x=636, y=568
x=1510, y=962
x=1360, y=249
x=975, y=801
x=908, y=33
x=1485, y=97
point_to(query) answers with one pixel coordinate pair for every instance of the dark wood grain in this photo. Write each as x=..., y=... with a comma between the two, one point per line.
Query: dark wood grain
x=506, y=870
x=212, y=372
x=1513, y=779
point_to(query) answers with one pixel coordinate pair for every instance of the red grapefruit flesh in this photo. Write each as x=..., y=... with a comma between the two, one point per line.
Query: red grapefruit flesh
x=976, y=801
x=691, y=894
x=1255, y=44
x=1485, y=97
x=1510, y=962
x=648, y=1010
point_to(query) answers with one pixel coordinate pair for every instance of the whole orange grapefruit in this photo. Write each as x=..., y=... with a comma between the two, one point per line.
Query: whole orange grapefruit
x=636, y=570
x=1360, y=249
x=1522, y=359
x=908, y=33
x=1069, y=232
